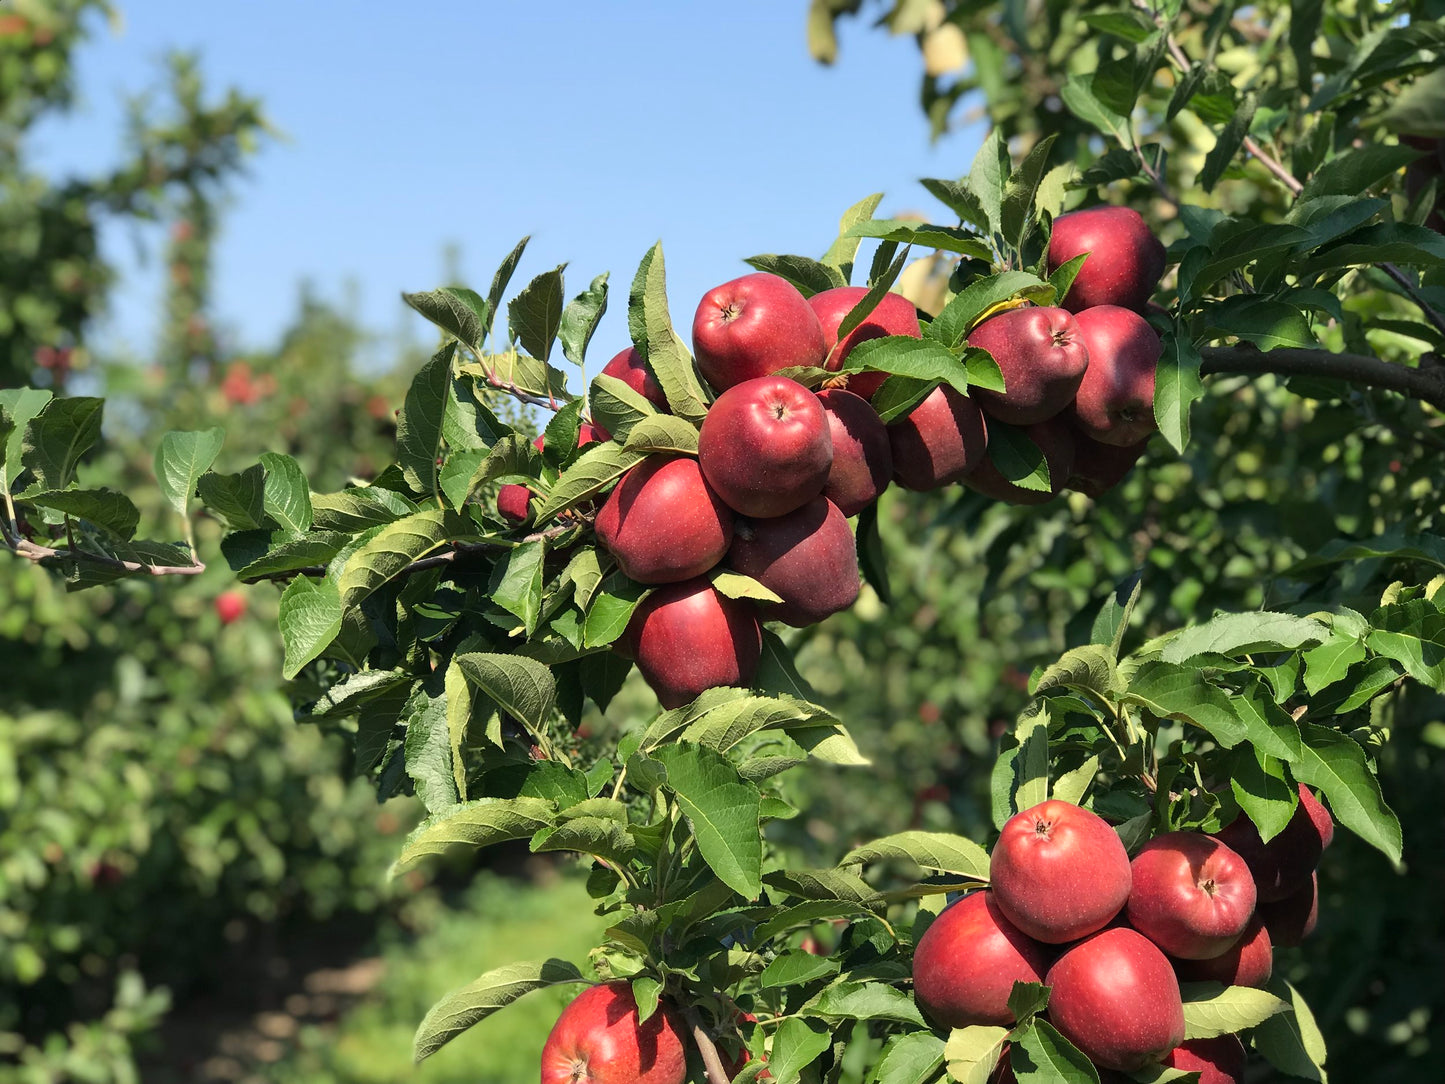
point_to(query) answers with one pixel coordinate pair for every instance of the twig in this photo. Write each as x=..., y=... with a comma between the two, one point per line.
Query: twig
x=716, y=1074
x=30, y=551
x=1372, y=372
x=1410, y=288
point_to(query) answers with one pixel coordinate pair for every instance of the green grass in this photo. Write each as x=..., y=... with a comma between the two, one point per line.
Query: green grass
x=502, y=922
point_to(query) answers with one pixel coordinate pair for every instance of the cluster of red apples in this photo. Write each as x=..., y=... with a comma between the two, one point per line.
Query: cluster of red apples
x=1113, y=938
x=780, y=468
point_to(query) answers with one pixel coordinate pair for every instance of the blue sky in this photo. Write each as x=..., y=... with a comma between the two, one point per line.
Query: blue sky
x=597, y=127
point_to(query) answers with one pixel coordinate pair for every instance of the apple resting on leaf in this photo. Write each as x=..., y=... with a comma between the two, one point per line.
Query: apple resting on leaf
x=893, y=315
x=688, y=637
x=1125, y=260
x=663, y=523
x=1042, y=358
x=806, y=557
x=598, y=1040
x=629, y=368
x=753, y=326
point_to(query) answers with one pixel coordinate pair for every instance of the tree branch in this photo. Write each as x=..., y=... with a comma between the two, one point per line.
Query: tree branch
x=22, y=547
x=716, y=1074
x=1422, y=384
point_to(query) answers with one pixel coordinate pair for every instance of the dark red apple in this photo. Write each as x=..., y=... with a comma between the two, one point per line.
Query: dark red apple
x=938, y=441
x=1283, y=866
x=765, y=446
x=1115, y=401
x=512, y=501
x=753, y=326
x=1114, y=996
x=1293, y=918
x=1055, y=439
x=966, y=963
x=806, y=557
x=893, y=315
x=1192, y=896
x=663, y=522
x=1099, y=467
x=1125, y=261
x=598, y=1040
x=862, y=455
x=1059, y=872
x=1248, y=962
x=688, y=638
x=629, y=368
x=1042, y=358
x=1219, y=1060
x=230, y=606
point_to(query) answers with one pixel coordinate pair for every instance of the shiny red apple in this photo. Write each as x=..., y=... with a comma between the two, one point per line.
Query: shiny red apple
x=1192, y=896
x=599, y=1040
x=1115, y=400
x=893, y=315
x=862, y=455
x=687, y=638
x=966, y=963
x=807, y=557
x=663, y=522
x=753, y=326
x=765, y=446
x=939, y=441
x=1125, y=260
x=1042, y=358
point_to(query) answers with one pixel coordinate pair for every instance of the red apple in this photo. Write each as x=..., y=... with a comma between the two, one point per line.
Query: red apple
x=1192, y=896
x=939, y=441
x=893, y=315
x=753, y=326
x=862, y=456
x=629, y=368
x=1099, y=467
x=966, y=963
x=598, y=1040
x=1115, y=401
x=512, y=500
x=688, y=638
x=663, y=522
x=806, y=557
x=587, y=433
x=1293, y=918
x=1283, y=866
x=765, y=446
x=1055, y=439
x=1059, y=872
x=1125, y=260
x=1248, y=962
x=230, y=606
x=1219, y=1060
x=1114, y=996
x=1042, y=358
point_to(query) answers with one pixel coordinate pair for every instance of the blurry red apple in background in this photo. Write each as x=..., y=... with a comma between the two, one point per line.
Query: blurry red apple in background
x=1125, y=260
x=230, y=606
x=765, y=446
x=893, y=315
x=598, y=1040
x=753, y=326
x=663, y=522
x=1042, y=358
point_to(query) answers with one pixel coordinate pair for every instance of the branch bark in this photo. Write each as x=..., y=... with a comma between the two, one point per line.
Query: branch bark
x=1422, y=384
x=711, y=1059
x=23, y=547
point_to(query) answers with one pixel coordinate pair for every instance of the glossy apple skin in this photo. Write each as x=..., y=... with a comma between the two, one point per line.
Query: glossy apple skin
x=1114, y=996
x=765, y=446
x=807, y=557
x=1219, y=1060
x=628, y=367
x=1115, y=400
x=687, y=638
x=598, y=1040
x=1125, y=262
x=1099, y=467
x=1055, y=439
x=939, y=441
x=1042, y=358
x=893, y=315
x=966, y=963
x=1293, y=918
x=1248, y=962
x=663, y=523
x=1283, y=866
x=862, y=455
x=752, y=326
x=1192, y=896
x=512, y=501
x=1059, y=872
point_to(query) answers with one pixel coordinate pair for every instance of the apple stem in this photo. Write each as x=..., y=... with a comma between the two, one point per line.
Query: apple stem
x=716, y=1074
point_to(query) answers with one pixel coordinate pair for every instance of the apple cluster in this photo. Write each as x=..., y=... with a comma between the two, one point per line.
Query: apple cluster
x=1113, y=938
x=780, y=468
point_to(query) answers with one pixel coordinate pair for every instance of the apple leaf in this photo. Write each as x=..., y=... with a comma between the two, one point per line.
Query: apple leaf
x=1016, y=210
x=106, y=509
x=1078, y=94
x=517, y=583
x=986, y=180
x=808, y=275
x=864, y=1001
x=1330, y=661
x=286, y=494
x=1227, y=145
x=1211, y=1010
x=899, y=395
x=1039, y=1051
x=580, y=319
x=939, y=851
x=603, y=837
x=1073, y=786
x=912, y=1058
x=972, y=1052
x=522, y=687
x=724, y=812
x=428, y=752
x=736, y=585
x=419, y=425
x=1018, y=458
x=1180, y=692
x=1259, y=785
x=955, y=195
x=1176, y=386
x=1112, y=620
x=594, y=470
x=1027, y=999
x=459, y=312
x=1235, y=634
x=658, y=343
x=798, y=968
x=662, y=433
x=903, y=355
x=55, y=438
x=478, y=824
x=617, y=407
x=797, y=1044
x=386, y=553
x=1335, y=763
x=1291, y=1040
x=474, y=1002
x=865, y=305
x=906, y=232
x=967, y=308
x=310, y=619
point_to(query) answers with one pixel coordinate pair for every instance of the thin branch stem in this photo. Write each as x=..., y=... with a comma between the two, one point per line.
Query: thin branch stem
x=32, y=552
x=1422, y=384
x=711, y=1059
x=1408, y=285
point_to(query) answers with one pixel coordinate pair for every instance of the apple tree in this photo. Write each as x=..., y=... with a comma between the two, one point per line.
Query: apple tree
x=468, y=614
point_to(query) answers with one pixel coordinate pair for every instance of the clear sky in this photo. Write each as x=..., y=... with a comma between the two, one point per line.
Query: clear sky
x=598, y=127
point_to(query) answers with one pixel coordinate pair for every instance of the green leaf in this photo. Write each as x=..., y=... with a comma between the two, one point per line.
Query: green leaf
x=1243, y=634
x=616, y=407
x=955, y=195
x=1178, y=692
x=723, y=810
x=1210, y=1011
x=385, y=554
x=1018, y=199
x=798, y=969
x=1042, y=1054
x=1265, y=323
x=477, y=1000
x=1258, y=783
x=477, y=824
x=1072, y=786
x=503, y=276
x=603, y=837
x=105, y=508
x=904, y=232
x=1357, y=170
x=864, y=1001
x=181, y=459
x=921, y=359
x=1018, y=458
x=286, y=495
x=1228, y=144
x=940, y=851
x=1176, y=387
x=1089, y=668
x=808, y=275
x=1335, y=764
x=17, y=407
x=468, y=425
x=594, y=470
x=1127, y=25
x=458, y=312
x=655, y=339
x=662, y=433
x=962, y=313
x=797, y=1044
x=841, y=252
x=521, y=687
x=911, y=1058
x=419, y=426
x=56, y=438
x=1413, y=635
x=519, y=587
x=1082, y=101
x=535, y=314
x=239, y=499
x=580, y=319
x=428, y=753
x=611, y=609
x=1331, y=661
x=1031, y=764
x=986, y=179
x=972, y=1052
x=519, y=373
x=1112, y=620
x=736, y=585
x=310, y=619
x=294, y=554
x=872, y=561
x=1291, y=1041
x=353, y=510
